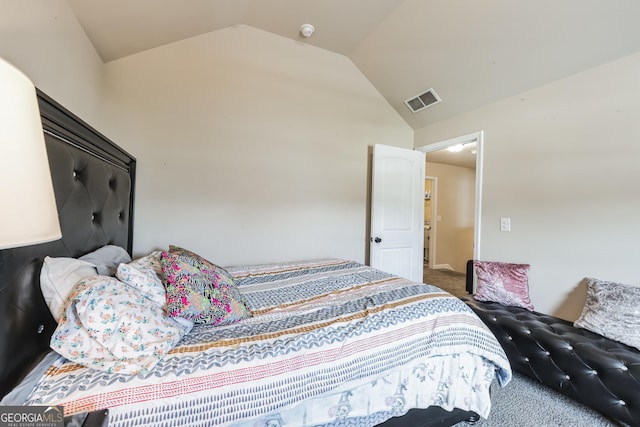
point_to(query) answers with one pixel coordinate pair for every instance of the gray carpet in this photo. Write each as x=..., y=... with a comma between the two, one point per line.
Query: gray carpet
x=524, y=402
x=449, y=280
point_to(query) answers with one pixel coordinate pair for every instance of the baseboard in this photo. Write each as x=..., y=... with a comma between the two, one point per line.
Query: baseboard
x=442, y=267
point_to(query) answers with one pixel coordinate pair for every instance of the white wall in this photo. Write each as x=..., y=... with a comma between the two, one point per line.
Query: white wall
x=562, y=161
x=251, y=147
x=44, y=40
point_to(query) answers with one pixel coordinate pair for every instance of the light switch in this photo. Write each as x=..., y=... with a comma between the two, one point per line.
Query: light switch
x=505, y=224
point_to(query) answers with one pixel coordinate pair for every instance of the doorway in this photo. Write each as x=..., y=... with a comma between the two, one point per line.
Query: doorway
x=440, y=153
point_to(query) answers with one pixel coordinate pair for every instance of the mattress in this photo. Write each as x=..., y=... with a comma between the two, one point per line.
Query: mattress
x=330, y=342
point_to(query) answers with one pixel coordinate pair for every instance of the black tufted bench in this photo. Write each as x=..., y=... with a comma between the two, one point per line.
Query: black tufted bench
x=599, y=372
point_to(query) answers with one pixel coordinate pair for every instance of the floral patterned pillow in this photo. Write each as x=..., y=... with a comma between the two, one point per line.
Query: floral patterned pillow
x=199, y=290
x=504, y=283
x=145, y=274
x=110, y=326
x=612, y=310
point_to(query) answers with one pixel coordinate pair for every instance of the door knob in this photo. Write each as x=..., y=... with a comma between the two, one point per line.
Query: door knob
x=377, y=239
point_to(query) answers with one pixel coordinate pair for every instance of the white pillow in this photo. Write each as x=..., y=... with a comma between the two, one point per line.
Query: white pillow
x=107, y=258
x=58, y=276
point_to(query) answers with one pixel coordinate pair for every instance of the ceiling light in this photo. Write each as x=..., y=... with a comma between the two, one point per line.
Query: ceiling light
x=307, y=30
x=455, y=148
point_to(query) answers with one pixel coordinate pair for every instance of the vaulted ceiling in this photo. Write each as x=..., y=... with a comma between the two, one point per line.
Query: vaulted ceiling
x=471, y=52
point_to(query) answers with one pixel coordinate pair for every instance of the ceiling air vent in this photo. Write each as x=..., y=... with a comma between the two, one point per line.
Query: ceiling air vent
x=423, y=101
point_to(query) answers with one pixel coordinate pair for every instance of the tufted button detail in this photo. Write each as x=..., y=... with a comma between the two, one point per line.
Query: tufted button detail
x=75, y=174
x=584, y=354
x=93, y=217
x=40, y=329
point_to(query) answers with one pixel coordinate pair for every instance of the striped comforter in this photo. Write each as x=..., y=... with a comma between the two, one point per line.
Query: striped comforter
x=331, y=342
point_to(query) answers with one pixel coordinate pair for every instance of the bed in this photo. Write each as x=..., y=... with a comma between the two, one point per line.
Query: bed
x=327, y=341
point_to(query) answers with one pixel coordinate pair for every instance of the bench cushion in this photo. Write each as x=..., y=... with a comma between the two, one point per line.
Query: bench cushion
x=594, y=370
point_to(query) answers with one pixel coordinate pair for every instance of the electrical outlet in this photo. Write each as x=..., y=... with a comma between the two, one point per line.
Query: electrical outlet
x=505, y=224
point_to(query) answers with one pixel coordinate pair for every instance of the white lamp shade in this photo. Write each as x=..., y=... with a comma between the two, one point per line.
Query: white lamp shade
x=28, y=213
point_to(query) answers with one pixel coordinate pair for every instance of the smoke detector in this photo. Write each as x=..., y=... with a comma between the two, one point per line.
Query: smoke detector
x=422, y=101
x=307, y=30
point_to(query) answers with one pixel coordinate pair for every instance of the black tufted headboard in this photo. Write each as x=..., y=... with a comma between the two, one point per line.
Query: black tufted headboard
x=93, y=181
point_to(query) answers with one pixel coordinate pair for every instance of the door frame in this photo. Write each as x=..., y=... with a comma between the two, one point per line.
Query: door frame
x=478, y=138
x=433, y=215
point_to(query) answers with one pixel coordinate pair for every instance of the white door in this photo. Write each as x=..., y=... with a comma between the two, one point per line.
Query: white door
x=397, y=211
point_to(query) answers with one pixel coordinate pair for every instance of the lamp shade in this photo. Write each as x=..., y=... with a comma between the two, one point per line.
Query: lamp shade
x=28, y=213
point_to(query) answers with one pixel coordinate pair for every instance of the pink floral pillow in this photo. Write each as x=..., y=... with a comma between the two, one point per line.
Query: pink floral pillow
x=199, y=290
x=504, y=283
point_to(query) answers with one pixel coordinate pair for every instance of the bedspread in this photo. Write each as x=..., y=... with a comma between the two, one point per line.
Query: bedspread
x=330, y=341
